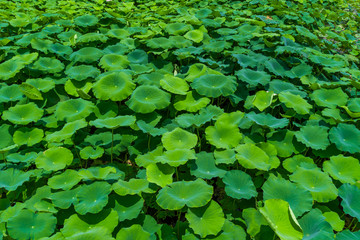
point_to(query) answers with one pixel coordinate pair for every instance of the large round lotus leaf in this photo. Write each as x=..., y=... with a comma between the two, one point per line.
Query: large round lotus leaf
x=300, y=200
x=239, y=185
x=213, y=85
x=65, y=180
x=101, y=173
x=73, y=109
x=111, y=62
x=281, y=219
x=150, y=79
x=207, y=220
x=117, y=49
x=28, y=136
x=42, y=84
x=82, y=72
x=290, y=164
x=300, y=105
x=179, y=139
x=86, y=20
x=346, y=137
x=252, y=157
x=55, y=158
x=86, y=55
x=159, y=174
x=253, y=78
x=10, y=93
x=315, y=227
x=10, y=68
x=42, y=45
x=330, y=98
x=132, y=233
x=138, y=56
x=146, y=99
x=131, y=187
x=92, y=37
x=194, y=35
x=92, y=234
x=315, y=137
x=115, y=122
x=317, y=182
x=177, y=28
x=26, y=58
x=29, y=225
x=265, y=119
x=11, y=178
x=191, y=103
x=176, y=157
x=91, y=153
x=115, y=86
x=335, y=221
x=23, y=114
x=344, y=169
x=190, y=193
x=225, y=156
x=60, y=49
x=350, y=195
x=347, y=235
x=92, y=198
x=118, y=33
x=160, y=42
x=174, y=84
x=204, y=166
x=48, y=65
x=223, y=136
x=275, y=67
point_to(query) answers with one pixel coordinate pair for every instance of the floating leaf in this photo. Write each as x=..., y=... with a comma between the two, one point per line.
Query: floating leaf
x=204, y=166
x=11, y=178
x=223, y=136
x=73, y=109
x=82, y=72
x=349, y=195
x=111, y=62
x=133, y=232
x=54, y=159
x=28, y=136
x=346, y=137
x=330, y=98
x=23, y=113
x=48, y=65
x=112, y=123
x=179, y=139
x=86, y=55
x=252, y=157
x=65, y=180
x=239, y=185
x=213, y=85
x=296, y=102
x=315, y=137
x=344, y=169
x=315, y=227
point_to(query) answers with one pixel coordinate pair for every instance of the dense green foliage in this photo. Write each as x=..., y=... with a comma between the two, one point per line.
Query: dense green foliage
x=200, y=119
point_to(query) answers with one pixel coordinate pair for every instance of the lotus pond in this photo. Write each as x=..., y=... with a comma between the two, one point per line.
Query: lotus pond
x=198, y=119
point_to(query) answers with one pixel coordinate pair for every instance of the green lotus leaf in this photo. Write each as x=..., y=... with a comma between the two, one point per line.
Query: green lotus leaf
x=176, y=157
x=300, y=105
x=86, y=20
x=92, y=37
x=82, y=72
x=30, y=91
x=197, y=70
x=54, y=159
x=112, y=123
x=118, y=33
x=191, y=103
x=133, y=232
x=302, y=31
x=60, y=49
x=204, y=166
x=118, y=48
x=252, y=157
x=149, y=158
x=176, y=195
x=73, y=109
x=146, y=99
x=102, y=139
x=29, y=225
x=299, y=199
x=174, y=84
x=86, y=55
x=6, y=139
x=217, y=46
x=263, y=99
x=239, y=185
x=131, y=187
x=91, y=153
x=206, y=220
x=346, y=137
x=253, y=78
x=159, y=174
x=344, y=169
x=92, y=233
x=265, y=119
x=67, y=131
x=68, y=37
x=48, y=65
x=64, y=199
x=11, y=178
x=330, y=98
x=42, y=45
x=317, y=182
x=350, y=195
x=107, y=219
x=160, y=42
x=111, y=62
x=292, y=163
x=213, y=85
x=10, y=68
x=150, y=79
x=23, y=113
x=335, y=221
x=315, y=137
x=315, y=227
x=28, y=136
x=100, y=173
x=128, y=207
x=279, y=215
x=138, y=56
x=226, y=156
x=20, y=21
x=254, y=220
x=116, y=86
x=275, y=67
x=179, y=139
x=223, y=135
x=347, y=235
x=354, y=105
x=92, y=198
x=180, y=42
x=278, y=86
x=42, y=84
x=284, y=142
x=299, y=71
x=10, y=93
x=18, y=158
x=148, y=128
x=177, y=28
x=65, y=180
x=326, y=61
x=194, y=35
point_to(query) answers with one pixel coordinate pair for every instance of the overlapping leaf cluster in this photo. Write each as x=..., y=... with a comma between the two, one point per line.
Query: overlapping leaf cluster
x=179, y=119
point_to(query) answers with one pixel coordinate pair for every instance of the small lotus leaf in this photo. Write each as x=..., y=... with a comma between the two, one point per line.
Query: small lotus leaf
x=11, y=178
x=179, y=139
x=223, y=135
x=206, y=220
x=112, y=123
x=225, y=156
x=177, y=28
x=176, y=157
x=300, y=105
x=60, y=49
x=92, y=233
x=254, y=220
x=23, y=113
x=73, y=109
x=160, y=42
x=176, y=195
x=159, y=174
x=174, y=84
x=263, y=99
x=281, y=219
x=42, y=84
x=82, y=72
x=292, y=163
x=111, y=62
x=335, y=221
x=350, y=195
x=10, y=68
x=10, y=93
x=86, y=55
x=30, y=91
x=315, y=227
x=48, y=65
x=91, y=153
x=86, y=20
x=239, y=185
x=213, y=85
x=133, y=232
x=191, y=103
x=92, y=37
x=252, y=157
x=253, y=78
x=330, y=98
x=28, y=136
x=65, y=180
x=204, y=166
x=194, y=35
x=17, y=157
x=344, y=169
x=315, y=137
x=128, y=207
x=118, y=33
x=346, y=137
x=42, y=45
x=265, y=119
x=131, y=187
x=55, y=158
x=275, y=67
x=67, y=131
x=100, y=173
